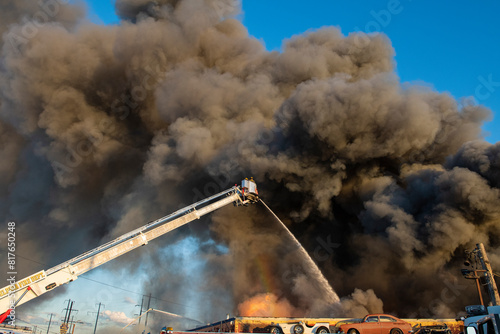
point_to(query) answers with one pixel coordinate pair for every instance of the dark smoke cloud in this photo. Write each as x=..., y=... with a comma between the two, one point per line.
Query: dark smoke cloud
x=133, y=9
x=106, y=128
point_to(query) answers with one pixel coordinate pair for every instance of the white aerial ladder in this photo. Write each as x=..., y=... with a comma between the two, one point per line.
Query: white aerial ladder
x=43, y=281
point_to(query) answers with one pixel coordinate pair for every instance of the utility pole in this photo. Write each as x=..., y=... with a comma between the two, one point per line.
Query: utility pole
x=71, y=323
x=140, y=312
x=69, y=309
x=50, y=321
x=149, y=303
x=66, y=321
x=488, y=275
x=97, y=317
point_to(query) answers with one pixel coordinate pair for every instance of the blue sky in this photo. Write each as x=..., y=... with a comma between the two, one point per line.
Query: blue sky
x=452, y=46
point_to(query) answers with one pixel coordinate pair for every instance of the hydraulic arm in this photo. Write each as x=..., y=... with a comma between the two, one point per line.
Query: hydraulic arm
x=44, y=281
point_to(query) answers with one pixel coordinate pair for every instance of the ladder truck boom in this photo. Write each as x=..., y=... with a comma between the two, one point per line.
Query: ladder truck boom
x=43, y=281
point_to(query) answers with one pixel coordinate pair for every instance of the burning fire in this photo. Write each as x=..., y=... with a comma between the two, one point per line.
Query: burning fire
x=266, y=305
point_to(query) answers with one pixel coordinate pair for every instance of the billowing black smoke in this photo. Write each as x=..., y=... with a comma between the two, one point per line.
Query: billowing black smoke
x=104, y=128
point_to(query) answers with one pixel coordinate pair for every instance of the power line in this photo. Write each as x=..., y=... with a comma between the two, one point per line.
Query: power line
x=135, y=292
x=107, y=284
x=29, y=323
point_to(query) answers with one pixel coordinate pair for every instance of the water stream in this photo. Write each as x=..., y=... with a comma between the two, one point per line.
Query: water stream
x=330, y=295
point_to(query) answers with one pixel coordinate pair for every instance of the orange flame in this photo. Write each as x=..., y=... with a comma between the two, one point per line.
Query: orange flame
x=266, y=305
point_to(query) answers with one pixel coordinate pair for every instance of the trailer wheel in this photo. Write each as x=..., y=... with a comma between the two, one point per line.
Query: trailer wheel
x=298, y=329
x=322, y=330
x=275, y=330
x=396, y=331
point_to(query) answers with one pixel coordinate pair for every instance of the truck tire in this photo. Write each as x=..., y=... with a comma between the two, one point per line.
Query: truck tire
x=396, y=331
x=322, y=330
x=275, y=330
x=298, y=329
